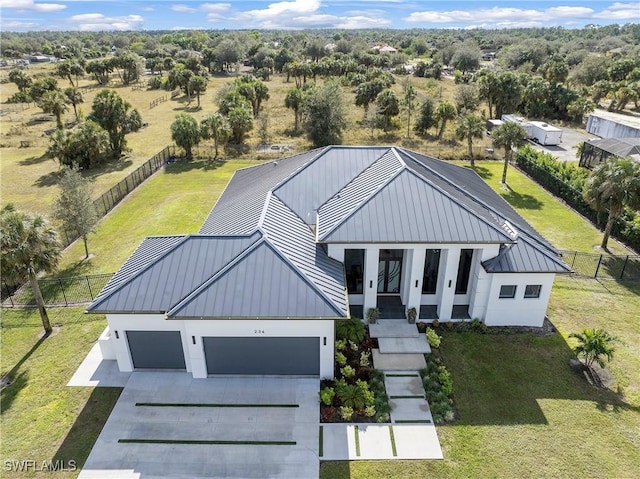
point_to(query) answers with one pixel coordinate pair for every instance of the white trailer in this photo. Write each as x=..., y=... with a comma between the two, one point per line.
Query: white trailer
x=520, y=121
x=545, y=134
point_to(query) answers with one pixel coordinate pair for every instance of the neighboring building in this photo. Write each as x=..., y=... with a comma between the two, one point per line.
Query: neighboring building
x=597, y=151
x=295, y=244
x=384, y=49
x=606, y=124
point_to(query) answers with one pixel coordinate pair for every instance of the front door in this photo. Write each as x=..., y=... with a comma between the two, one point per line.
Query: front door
x=389, y=271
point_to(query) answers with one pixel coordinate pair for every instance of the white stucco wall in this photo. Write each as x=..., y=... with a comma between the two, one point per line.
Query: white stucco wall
x=518, y=311
x=190, y=329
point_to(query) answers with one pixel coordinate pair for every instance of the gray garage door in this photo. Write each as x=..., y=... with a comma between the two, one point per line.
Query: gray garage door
x=156, y=349
x=295, y=356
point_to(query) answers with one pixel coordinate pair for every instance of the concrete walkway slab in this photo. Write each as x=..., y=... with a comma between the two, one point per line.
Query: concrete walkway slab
x=375, y=441
x=95, y=371
x=414, y=410
x=397, y=362
x=417, y=442
x=404, y=345
x=404, y=386
x=393, y=328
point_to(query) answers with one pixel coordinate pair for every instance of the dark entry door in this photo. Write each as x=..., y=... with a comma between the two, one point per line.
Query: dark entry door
x=389, y=271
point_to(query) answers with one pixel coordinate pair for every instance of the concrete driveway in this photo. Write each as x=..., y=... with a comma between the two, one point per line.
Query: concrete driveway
x=566, y=150
x=209, y=428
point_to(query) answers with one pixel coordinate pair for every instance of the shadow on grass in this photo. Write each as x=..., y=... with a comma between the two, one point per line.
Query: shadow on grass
x=522, y=200
x=335, y=470
x=500, y=378
x=85, y=430
x=483, y=172
x=49, y=179
x=183, y=166
x=16, y=381
x=34, y=160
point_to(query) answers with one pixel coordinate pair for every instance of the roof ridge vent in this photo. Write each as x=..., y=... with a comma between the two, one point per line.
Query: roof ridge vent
x=510, y=229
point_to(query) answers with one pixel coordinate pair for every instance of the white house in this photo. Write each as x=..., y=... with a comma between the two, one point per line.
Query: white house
x=295, y=244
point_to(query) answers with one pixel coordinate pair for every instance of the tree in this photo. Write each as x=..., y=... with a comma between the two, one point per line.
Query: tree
x=426, y=117
x=508, y=93
x=215, y=126
x=186, y=133
x=197, y=85
x=21, y=79
x=507, y=136
x=388, y=106
x=69, y=69
x=295, y=101
x=612, y=186
x=409, y=95
x=100, y=70
x=466, y=58
x=28, y=245
x=467, y=99
x=74, y=96
x=240, y=120
x=367, y=92
x=554, y=70
x=325, y=116
x=54, y=102
x=42, y=86
x=594, y=345
x=115, y=115
x=74, y=207
x=87, y=146
x=470, y=127
x=445, y=111
x=488, y=88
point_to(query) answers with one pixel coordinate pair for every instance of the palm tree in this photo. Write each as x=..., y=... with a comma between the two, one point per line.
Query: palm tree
x=612, y=186
x=295, y=101
x=445, y=111
x=409, y=103
x=28, y=245
x=507, y=136
x=74, y=96
x=470, y=127
x=594, y=345
x=215, y=126
x=54, y=102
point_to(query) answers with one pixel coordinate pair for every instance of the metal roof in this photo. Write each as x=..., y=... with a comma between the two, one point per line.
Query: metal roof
x=525, y=257
x=409, y=209
x=321, y=178
x=622, y=147
x=170, y=276
x=260, y=283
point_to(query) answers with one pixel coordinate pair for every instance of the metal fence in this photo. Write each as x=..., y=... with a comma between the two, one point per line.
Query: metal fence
x=115, y=194
x=56, y=291
x=603, y=266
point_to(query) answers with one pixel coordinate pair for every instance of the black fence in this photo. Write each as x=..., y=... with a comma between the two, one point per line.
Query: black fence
x=56, y=291
x=115, y=194
x=603, y=266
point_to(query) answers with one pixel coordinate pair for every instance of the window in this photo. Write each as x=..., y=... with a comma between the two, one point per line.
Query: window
x=354, y=270
x=430, y=275
x=464, y=270
x=508, y=291
x=532, y=291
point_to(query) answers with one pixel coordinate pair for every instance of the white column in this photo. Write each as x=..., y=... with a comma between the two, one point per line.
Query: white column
x=415, y=275
x=370, y=287
x=448, y=285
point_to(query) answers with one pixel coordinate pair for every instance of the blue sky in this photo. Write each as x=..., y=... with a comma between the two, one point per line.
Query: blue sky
x=28, y=15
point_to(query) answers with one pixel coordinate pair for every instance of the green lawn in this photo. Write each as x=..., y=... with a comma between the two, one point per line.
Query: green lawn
x=175, y=200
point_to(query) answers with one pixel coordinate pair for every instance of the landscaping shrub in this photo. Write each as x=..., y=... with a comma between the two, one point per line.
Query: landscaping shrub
x=351, y=330
x=327, y=395
x=346, y=413
x=433, y=338
x=438, y=387
x=341, y=359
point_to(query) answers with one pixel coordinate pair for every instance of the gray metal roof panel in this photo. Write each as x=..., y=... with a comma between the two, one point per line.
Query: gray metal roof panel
x=259, y=284
x=357, y=191
x=171, y=277
x=240, y=205
x=293, y=238
x=321, y=178
x=525, y=257
x=623, y=147
x=410, y=209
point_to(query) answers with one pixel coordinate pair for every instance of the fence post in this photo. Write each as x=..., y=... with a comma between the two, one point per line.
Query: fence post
x=63, y=295
x=89, y=286
x=598, y=267
x=624, y=266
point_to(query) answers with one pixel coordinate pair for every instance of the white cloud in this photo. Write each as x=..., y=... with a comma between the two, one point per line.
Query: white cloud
x=215, y=7
x=89, y=22
x=148, y=9
x=16, y=25
x=32, y=6
x=620, y=11
x=183, y=8
x=275, y=11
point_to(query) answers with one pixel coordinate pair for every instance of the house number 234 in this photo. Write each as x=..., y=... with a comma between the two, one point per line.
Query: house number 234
x=258, y=331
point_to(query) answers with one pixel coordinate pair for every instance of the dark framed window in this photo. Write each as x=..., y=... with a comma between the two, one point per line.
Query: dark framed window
x=430, y=275
x=354, y=270
x=508, y=291
x=464, y=270
x=532, y=290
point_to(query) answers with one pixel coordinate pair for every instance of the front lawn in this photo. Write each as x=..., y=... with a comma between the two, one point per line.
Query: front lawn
x=42, y=418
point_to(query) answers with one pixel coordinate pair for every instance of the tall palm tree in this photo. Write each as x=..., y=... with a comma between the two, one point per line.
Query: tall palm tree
x=470, y=127
x=509, y=135
x=74, y=96
x=215, y=126
x=445, y=111
x=28, y=246
x=612, y=186
x=409, y=96
x=54, y=102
